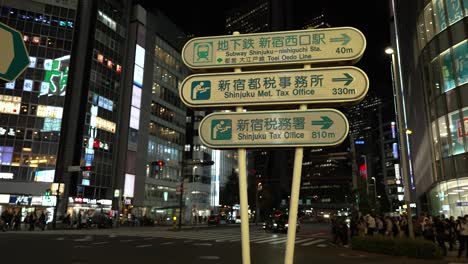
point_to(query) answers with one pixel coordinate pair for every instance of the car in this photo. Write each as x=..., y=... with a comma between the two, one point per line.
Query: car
x=216, y=219
x=279, y=223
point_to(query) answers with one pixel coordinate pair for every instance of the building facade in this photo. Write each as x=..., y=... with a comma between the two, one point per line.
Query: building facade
x=432, y=62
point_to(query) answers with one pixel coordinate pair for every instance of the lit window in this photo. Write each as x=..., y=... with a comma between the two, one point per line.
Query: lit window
x=100, y=58
x=109, y=64
x=36, y=40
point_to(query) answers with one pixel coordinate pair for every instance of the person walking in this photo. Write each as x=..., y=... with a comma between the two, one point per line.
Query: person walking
x=441, y=234
x=31, y=221
x=371, y=226
x=462, y=229
x=42, y=221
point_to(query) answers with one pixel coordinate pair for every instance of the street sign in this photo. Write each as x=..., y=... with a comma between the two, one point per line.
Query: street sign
x=279, y=87
x=341, y=44
x=14, y=56
x=293, y=128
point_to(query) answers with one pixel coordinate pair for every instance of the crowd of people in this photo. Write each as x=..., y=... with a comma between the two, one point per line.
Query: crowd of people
x=11, y=220
x=445, y=231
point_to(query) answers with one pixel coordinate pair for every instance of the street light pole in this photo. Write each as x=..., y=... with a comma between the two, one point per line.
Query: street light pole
x=402, y=141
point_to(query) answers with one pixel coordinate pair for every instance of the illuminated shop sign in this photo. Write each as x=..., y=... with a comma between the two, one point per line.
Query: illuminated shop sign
x=392, y=127
x=51, y=124
x=395, y=150
x=27, y=85
x=7, y=131
x=10, y=104
x=32, y=62
x=4, y=198
x=44, y=176
x=6, y=175
x=138, y=76
x=49, y=111
x=104, y=124
x=44, y=201
x=10, y=85
x=81, y=200
x=135, y=118
x=6, y=155
x=56, y=75
x=20, y=200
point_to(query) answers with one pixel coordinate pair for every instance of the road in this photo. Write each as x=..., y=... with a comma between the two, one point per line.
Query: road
x=192, y=246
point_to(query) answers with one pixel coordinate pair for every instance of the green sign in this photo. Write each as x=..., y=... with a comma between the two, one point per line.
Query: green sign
x=290, y=128
x=342, y=44
x=279, y=87
x=14, y=58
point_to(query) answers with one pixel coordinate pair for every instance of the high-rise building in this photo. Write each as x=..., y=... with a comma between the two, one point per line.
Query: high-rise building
x=429, y=38
x=154, y=118
x=68, y=101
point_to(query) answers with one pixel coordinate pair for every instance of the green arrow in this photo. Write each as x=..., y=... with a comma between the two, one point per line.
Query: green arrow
x=344, y=38
x=347, y=79
x=326, y=122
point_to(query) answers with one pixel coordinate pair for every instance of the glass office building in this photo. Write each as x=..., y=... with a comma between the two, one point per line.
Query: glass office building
x=434, y=63
x=31, y=107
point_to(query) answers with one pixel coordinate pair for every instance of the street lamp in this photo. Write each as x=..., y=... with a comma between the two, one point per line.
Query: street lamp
x=402, y=133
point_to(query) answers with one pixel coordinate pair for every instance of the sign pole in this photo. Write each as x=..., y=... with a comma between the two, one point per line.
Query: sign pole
x=294, y=201
x=244, y=203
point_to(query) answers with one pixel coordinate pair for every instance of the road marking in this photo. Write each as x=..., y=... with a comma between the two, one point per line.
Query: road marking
x=262, y=238
x=313, y=242
x=209, y=257
x=322, y=245
x=202, y=244
x=81, y=246
x=60, y=238
x=143, y=246
x=304, y=240
x=148, y=238
x=100, y=243
x=86, y=238
x=113, y=235
x=269, y=240
x=127, y=240
x=188, y=241
x=279, y=241
x=167, y=243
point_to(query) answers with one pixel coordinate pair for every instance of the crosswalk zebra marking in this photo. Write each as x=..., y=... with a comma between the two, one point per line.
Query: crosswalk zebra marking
x=313, y=242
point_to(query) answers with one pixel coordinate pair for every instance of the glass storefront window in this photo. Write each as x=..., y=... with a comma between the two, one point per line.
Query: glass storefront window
x=435, y=73
x=455, y=128
x=447, y=70
x=421, y=31
x=450, y=198
x=454, y=11
x=439, y=14
x=460, y=54
x=429, y=21
x=444, y=139
x=464, y=127
x=436, y=141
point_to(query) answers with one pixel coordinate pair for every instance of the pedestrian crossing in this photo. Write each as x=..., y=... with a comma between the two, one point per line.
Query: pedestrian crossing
x=223, y=236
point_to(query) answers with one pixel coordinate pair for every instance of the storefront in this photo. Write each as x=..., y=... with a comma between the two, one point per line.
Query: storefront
x=449, y=198
x=26, y=204
x=88, y=207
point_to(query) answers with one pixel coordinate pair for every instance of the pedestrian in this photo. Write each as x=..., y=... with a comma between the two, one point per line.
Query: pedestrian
x=380, y=225
x=31, y=220
x=441, y=233
x=388, y=226
x=17, y=221
x=362, y=227
x=371, y=226
x=78, y=223
x=42, y=221
x=462, y=228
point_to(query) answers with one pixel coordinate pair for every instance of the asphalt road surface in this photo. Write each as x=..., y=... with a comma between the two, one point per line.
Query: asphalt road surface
x=152, y=245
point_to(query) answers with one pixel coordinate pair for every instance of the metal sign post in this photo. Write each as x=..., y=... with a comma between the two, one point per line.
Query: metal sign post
x=281, y=128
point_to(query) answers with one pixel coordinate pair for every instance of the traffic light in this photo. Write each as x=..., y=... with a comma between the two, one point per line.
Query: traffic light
x=87, y=168
x=158, y=165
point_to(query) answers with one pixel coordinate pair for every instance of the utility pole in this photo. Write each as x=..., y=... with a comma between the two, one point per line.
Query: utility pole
x=181, y=203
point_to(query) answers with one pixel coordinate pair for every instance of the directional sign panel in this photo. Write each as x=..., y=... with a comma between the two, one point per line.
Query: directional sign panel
x=14, y=58
x=342, y=44
x=281, y=87
x=294, y=128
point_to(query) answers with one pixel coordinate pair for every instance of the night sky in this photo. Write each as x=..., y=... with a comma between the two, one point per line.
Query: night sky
x=206, y=18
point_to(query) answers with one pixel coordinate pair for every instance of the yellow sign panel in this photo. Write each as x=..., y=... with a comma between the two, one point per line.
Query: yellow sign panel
x=293, y=128
x=280, y=87
x=341, y=44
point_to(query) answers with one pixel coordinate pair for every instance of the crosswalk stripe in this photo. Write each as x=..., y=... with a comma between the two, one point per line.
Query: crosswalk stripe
x=279, y=241
x=269, y=240
x=304, y=240
x=313, y=242
x=262, y=238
